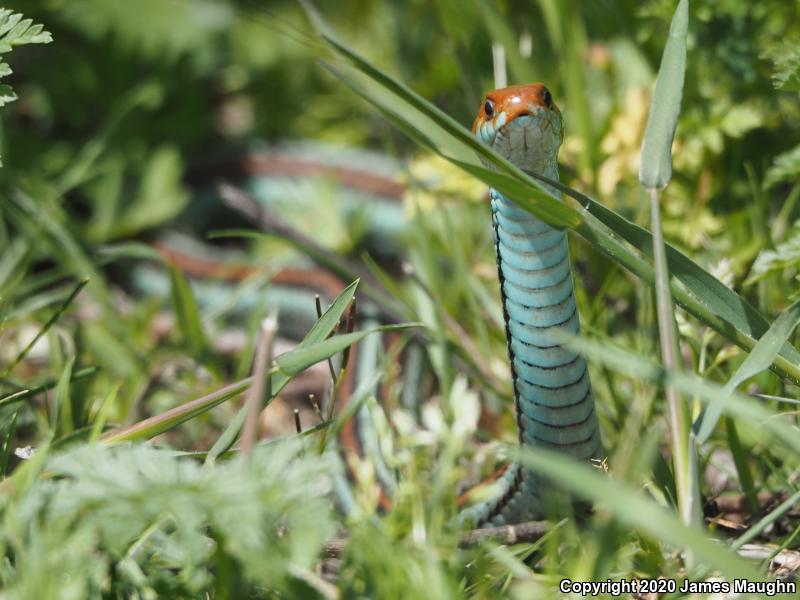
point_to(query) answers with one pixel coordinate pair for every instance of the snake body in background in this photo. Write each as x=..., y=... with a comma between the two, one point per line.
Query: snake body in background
x=552, y=392
x=553, y=398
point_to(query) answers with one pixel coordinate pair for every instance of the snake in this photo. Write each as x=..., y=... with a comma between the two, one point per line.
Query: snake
x=552, y=392
x=553, y=398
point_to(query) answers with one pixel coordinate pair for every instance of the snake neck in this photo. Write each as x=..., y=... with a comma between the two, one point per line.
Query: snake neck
x=552, y=392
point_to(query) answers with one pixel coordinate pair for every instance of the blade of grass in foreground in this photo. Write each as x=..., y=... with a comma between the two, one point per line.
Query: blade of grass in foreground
x=701, y=294
x=318, y=332
x=50, y=322
x=630, y=507
x=655, y=169
x=768, y=519
x=29, y=393
x=187, y=313
x=738, y=406
x=285, y=367
x=155, y=425
x=654, y=174
x=758, y=360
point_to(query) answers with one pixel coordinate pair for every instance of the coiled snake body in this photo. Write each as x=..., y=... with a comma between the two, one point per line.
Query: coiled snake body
x=553, y=395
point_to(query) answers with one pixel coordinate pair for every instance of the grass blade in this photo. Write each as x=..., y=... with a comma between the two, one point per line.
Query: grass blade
x=8, y=441
x=187, y=313
x=155, y=425
x=28, y=393
x=734, y=404
x=287, y=365
x=331, y=317
x=768, y=520
x=628, y=506
x=655, y=170
x=318, y=332
x=101, y=417
x=654, y=173
x=301, y=358
x=261, y=382
x=45, y=328
x=741, y=462
x=62, y=420
x=759, y=359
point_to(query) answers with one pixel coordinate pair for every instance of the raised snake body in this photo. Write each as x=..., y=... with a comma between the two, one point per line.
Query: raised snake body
x=553, y=397
x=552, y=391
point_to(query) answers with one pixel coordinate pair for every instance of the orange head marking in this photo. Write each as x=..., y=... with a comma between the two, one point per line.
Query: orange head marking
x=522, y=123
x=514, y=101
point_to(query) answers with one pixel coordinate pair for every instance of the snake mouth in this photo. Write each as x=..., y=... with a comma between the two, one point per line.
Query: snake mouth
x=530, y=140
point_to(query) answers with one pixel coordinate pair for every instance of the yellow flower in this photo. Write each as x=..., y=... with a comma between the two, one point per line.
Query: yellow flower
x=432, y=179
x=623, y=141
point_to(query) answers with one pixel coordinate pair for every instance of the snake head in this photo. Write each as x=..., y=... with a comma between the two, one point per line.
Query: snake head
x=523, y=124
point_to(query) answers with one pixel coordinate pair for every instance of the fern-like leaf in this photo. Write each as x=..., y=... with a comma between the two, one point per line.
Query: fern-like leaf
x=16, y=31
x=152, y=520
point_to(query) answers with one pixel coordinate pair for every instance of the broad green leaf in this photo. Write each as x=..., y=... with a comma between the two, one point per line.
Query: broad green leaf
x=759, y=359
x=655, y=170
x=630, y=507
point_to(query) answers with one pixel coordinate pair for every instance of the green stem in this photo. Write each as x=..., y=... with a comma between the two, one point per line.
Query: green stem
x=678, y=423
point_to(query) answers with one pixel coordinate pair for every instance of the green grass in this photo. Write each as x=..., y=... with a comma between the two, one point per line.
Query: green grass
x=127, y=407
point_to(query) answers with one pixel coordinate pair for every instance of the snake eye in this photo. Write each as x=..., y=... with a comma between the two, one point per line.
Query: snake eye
x=547, y=98
x=488, y=108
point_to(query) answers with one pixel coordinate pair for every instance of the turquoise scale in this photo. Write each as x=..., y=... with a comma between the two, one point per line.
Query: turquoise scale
x=555, y=408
